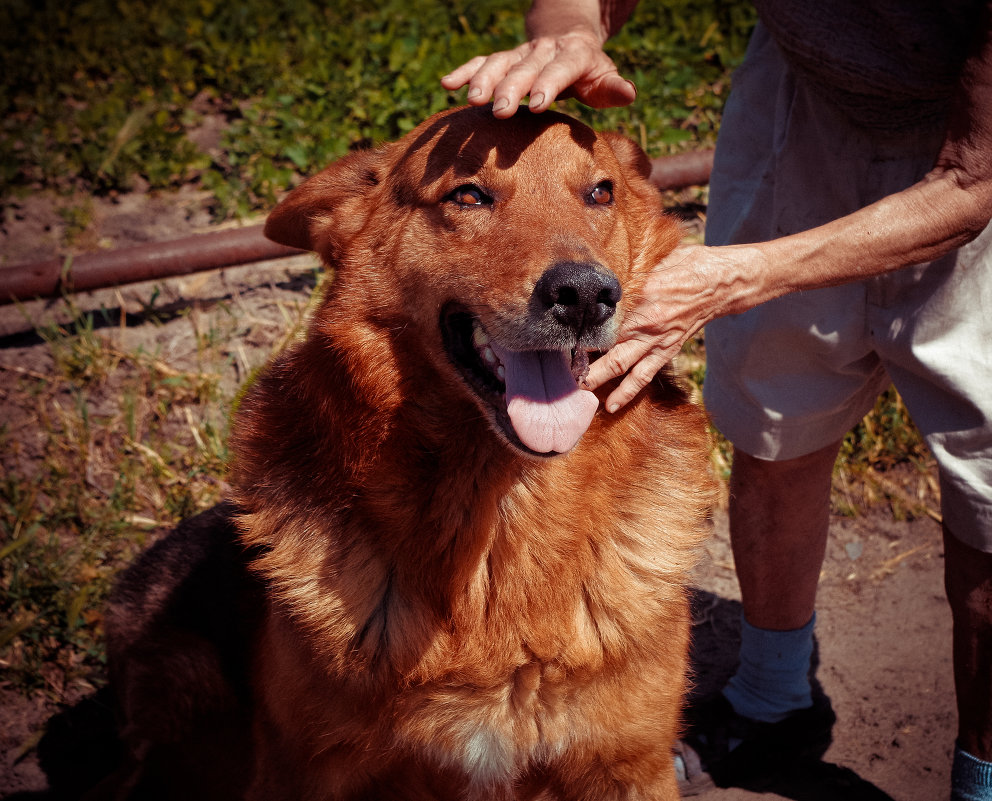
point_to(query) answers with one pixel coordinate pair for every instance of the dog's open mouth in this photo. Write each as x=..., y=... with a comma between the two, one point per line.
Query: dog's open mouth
x=534, y=395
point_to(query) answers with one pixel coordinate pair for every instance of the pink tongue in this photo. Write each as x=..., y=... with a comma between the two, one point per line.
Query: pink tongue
x=548, y=411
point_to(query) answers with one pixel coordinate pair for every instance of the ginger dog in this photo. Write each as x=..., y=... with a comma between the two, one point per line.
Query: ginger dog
x=444, y=572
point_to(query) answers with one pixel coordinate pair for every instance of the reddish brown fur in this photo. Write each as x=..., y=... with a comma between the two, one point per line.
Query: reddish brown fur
x=444, y=616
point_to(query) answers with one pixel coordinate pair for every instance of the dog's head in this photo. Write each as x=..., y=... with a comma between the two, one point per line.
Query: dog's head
x=507, y=250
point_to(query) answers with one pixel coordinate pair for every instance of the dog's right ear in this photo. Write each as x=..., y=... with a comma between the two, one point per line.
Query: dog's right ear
x=326, y=210
x=629, y=153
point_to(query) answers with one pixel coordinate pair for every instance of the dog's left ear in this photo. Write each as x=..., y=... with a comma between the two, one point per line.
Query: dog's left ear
x=325, y=211
x=629, y=153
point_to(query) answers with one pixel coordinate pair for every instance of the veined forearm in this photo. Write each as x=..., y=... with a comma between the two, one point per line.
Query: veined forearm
x=948, y=208
x=917, y=225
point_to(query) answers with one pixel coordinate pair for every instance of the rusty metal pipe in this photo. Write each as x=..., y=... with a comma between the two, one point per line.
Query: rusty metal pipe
x=191, y=254
x=211, y=251
x=682, y=170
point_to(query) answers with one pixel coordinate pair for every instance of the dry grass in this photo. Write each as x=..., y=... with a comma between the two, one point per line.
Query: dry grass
x=114, y=428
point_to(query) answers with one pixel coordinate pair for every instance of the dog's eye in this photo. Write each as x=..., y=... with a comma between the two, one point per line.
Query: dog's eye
x=469, y=195
x=602, y=193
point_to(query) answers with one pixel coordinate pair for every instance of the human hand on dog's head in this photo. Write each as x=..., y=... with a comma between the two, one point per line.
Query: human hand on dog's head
x=572, y=65
x=564, y=58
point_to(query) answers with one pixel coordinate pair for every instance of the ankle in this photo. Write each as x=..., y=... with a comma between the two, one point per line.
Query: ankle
x=971, y=778
x=772, y=679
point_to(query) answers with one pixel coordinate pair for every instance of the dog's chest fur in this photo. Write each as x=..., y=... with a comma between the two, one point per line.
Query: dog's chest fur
x=500, y=647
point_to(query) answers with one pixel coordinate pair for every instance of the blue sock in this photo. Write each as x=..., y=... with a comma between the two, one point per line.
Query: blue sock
x=772, y=679
x=971, y=778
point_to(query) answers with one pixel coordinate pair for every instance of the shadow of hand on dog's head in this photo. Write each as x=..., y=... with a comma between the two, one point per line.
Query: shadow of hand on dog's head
x=461, y=134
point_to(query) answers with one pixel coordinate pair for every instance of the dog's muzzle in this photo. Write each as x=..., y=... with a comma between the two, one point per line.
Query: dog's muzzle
x=528, y=370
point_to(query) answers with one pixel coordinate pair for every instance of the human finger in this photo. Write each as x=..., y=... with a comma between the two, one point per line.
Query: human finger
x=614, y=363
x=582, y=66
x=638, y=360
x=482, y=73
x=569, y=66
x=640, y=375
x=610, y=91
x=544, y=71
x=490, y=78
x=461, y=75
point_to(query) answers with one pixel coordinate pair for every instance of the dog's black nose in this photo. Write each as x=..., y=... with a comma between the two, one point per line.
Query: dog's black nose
x=579, y=295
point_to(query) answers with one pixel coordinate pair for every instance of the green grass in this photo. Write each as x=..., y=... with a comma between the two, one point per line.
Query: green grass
x=98, y=94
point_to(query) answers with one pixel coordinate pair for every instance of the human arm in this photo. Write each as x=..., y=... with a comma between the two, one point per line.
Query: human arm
x=947, y=208
x=563, y=54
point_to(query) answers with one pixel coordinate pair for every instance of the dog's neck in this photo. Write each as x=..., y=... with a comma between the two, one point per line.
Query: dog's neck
x=427, y=472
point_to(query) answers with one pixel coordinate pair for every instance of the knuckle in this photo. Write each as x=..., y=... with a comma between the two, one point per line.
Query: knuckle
x=615, y=363
x=627, y=391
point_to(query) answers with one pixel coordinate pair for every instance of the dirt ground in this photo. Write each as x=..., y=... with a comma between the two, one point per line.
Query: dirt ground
x=883, y=631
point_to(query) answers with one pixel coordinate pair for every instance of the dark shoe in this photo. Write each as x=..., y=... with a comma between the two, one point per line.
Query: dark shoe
x=734, y=751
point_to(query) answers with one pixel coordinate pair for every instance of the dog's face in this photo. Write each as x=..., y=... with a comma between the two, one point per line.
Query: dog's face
x=506, y=249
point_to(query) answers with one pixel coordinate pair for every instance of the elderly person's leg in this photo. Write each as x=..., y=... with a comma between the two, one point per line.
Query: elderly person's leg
x=779, y=513
x=968, y=578
x=766, y=716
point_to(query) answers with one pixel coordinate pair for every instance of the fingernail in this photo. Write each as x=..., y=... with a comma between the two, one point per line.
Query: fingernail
x=537, y=100
x=612, y=407
x=475, y=91
x=501, y=104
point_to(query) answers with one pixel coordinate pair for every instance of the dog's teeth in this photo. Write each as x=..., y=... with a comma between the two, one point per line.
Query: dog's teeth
x=501, y=373
x=479, y=338
x=489, y=357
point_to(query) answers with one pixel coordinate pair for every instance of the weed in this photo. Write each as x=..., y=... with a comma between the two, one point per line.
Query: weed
x=884, y=458
x=77, y=218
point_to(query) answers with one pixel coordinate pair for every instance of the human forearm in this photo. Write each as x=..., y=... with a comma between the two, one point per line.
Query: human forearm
x=697, y=284
x=949, y=207
x=914, y=226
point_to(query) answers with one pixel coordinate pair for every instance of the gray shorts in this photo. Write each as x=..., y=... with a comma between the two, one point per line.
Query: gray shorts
x=793, y=375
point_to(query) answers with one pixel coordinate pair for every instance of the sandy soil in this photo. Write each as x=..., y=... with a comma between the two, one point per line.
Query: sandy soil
x=884, y=643
x=884, y=628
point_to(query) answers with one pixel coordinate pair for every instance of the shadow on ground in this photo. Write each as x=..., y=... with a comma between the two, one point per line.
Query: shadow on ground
x=716, y=637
